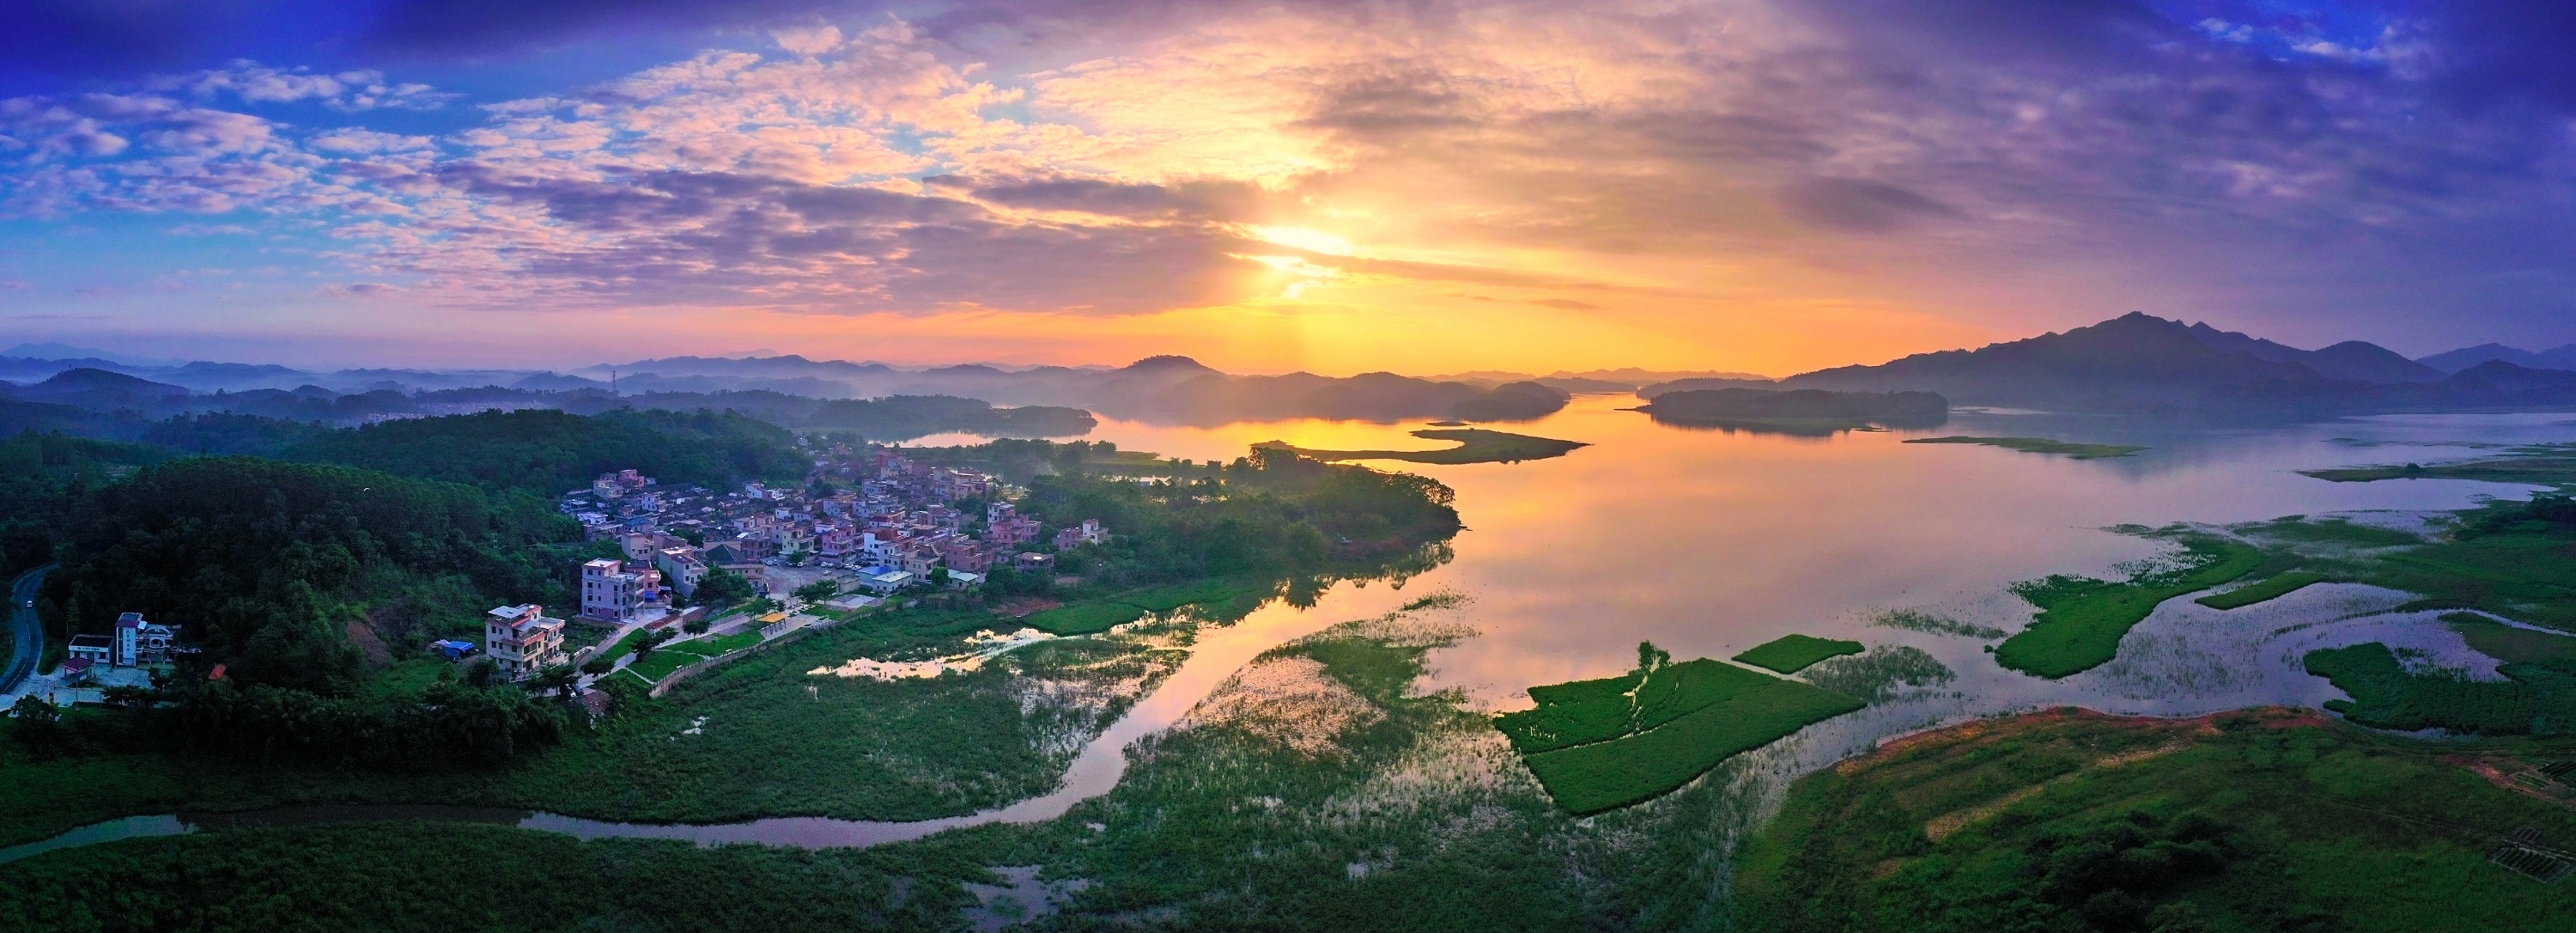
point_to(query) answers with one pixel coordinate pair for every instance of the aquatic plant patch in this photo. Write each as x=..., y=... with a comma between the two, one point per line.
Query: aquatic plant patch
x=1916, y=620
x=1475, y=445
x=1882, y=674
x=2081, y=620
x=2264, y=590
x=1790, y=654
x=1602, y=744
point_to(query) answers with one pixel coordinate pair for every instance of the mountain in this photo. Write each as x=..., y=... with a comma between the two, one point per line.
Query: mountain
x=102, y=390
x=2467, y=358
x=2129, y=363
x=2351, y=359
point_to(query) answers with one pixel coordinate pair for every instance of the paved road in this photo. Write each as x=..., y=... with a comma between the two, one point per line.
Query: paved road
x=30, y=636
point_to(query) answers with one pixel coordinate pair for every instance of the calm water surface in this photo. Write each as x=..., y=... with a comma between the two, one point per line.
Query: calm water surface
x=1711, y=542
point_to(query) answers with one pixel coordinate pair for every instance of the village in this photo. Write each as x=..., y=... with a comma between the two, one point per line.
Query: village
x=705, y=575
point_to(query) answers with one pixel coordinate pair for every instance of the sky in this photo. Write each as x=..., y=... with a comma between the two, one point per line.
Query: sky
x=1328, y=185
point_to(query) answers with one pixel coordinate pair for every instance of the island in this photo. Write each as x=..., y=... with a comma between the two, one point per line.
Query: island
x=1814, y=412
x=1475, y=445
x=2037, y=445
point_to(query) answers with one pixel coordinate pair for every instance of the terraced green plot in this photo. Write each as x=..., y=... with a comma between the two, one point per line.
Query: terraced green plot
x=2265, y=590
x=1790, y=654
x=1603, y=744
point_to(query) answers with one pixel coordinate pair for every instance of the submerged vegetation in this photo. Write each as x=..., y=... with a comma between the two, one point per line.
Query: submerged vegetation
x=2538, y=464
x=2260, y=820
x=1916, y=620
x=1882, y=674
x=1475, y=445
x=1603, y=744
x=1789, y=654
x=2038, y=445
x=2081, y=620
x=1796, y=411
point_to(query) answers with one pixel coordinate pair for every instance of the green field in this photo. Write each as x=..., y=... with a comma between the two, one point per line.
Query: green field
x=1222, y=598
x=1603, y=744
x=2387, y=696
x=1475, y=445
x=2264, y=590
x=2038, y=445
x=1792, y=653
x=2081, y=620
x=2272, y=821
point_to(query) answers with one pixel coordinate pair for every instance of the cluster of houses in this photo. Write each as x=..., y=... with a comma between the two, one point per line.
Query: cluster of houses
x=134, y=642
x=902, y=526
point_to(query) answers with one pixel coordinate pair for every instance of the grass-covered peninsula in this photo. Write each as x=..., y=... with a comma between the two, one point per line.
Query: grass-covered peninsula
x=1789, y=654
x=1475, y=445
x=2037, y=445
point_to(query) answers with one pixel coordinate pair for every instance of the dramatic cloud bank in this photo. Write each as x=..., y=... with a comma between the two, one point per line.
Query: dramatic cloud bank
x=1763, y=184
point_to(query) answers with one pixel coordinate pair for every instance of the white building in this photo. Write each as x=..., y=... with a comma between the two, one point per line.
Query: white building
x=522, y=640
x=612, y=593
x=683, y=567
x=141, y=642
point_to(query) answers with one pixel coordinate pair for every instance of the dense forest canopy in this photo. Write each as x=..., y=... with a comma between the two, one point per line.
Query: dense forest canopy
x=265, y=562
x=547, y=452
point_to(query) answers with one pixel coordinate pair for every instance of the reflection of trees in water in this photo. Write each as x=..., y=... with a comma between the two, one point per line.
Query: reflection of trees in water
x=1396, y=569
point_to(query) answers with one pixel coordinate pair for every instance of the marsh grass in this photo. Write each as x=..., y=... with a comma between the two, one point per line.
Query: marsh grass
x=1882, y=674
x=1916, y=620
x=2038, y=445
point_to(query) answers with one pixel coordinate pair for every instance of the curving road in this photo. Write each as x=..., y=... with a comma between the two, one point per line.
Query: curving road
x=30, y=636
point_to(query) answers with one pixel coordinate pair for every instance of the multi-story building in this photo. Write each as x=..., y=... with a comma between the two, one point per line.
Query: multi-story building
x=611, y=591
x=1089, y=533
x=522, y=640
x=682, y=567
x=141, y=642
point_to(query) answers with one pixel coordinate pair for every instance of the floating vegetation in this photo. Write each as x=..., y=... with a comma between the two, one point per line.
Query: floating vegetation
x=1790, y=654
x=2039, y=445
x=1881, y=674
x=1603, y=744
x=2264, y=590
x=2538, y=464
x=1916, y=620
x=2081, y=619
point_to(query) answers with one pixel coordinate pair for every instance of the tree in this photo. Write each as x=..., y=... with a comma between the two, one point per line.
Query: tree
x=939, y=576
x=819, y=590
x=557, y=679
x=721, y=587
x=484, y=672
x=39, y=726
x=599, y=665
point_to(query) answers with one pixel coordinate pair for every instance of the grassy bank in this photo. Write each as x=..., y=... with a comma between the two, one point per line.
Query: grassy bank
x=2265, y=820
x=1475, y=445
x=2038, y=445
x=746, y=740
x=2081, y=620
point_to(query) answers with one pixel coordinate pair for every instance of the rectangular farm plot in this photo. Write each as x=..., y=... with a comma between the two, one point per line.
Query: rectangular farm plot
x=1790, y=654
x=1602, y=744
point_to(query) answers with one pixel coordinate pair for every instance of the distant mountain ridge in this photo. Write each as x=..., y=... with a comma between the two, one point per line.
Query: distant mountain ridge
x=2137, y=363
x=2464, y=358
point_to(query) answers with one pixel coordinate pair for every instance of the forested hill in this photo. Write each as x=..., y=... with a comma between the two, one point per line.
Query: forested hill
x=267, y=563
x=542, y=451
